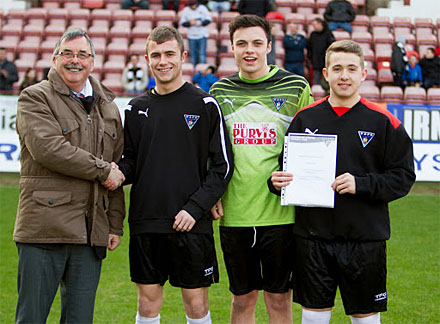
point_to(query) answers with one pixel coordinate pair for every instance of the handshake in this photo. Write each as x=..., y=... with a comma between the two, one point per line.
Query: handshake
x=115, y=178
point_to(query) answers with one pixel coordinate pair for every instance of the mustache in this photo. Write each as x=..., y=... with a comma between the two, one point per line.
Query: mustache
x=74, y=66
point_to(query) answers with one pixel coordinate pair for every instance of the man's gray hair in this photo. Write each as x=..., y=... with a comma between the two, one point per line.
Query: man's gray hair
x=72, y=34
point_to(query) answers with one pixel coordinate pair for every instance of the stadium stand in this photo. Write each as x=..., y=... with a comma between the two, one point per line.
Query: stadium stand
x=29, y=36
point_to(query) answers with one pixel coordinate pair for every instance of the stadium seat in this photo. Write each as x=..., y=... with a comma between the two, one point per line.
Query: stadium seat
x=141, y=30
x=50, y=4
x=113, y=66
x=423, y=23
x=54, y=30
x=226, y=60
x=143, y=15
x=81, y=14
x=341, y=35
x=92, y=4
x=425, y=38
x=122, y=14
x=368, y=52
x=101, y=14
x=433, y=96
x=113, y=81
x=227, y=16
x=403, y=31
x=98, y=31
x=187, y=68
x=277, y=31
x=370, y=92
x=10, y=44
x=42, y=64
x=215, y=18
x=226, y=69
x=306, y=7
x=100, y=43
x=78, y=23
x=361, y=23
x=137, y=48
x=371, y=73
x=402, y=22
x=376, y=21
x=71, y=4
x=12, y=29
x=296, y=18
x=165, y=15
x=414, y=95
x=58, y=13
x=383, y=52
x=23, y=64
x=391, y=94
x=318, y=92
x=29, y=45
x=117, y=46
x=362, y=37
x=275, y=18
x=381, y=35
x=286, y=4
x=385, y=77
x=120, y=32
x=211, y=47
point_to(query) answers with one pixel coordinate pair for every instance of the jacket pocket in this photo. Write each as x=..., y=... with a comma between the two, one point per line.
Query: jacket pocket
x=69, y=129
x=110, y=137
x=52, y=198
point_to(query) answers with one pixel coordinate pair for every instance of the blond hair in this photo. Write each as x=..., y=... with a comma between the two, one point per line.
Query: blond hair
x=344, y=46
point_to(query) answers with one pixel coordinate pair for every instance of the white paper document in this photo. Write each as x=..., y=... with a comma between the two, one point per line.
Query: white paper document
x=311, y=158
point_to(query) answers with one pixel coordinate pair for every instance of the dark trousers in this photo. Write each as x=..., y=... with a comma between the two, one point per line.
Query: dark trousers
x=41, y=270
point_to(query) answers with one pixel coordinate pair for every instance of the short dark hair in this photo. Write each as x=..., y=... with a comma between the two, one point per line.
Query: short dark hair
x=73, y=34
x=162, y=34
x=432, y=49
x=245, y=21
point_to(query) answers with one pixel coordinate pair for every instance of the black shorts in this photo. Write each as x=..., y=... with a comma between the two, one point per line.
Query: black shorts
x=188, y=260
x=358, y=268
x=258, y=258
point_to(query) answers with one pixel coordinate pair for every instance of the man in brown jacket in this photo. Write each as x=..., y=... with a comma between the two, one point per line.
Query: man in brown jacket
x=70, y=130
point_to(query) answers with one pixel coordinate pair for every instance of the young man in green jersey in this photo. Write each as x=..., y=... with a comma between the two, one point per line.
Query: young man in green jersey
x=258, y=103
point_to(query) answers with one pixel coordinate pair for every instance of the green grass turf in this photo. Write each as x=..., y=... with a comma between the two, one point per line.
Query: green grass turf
x=413, y=270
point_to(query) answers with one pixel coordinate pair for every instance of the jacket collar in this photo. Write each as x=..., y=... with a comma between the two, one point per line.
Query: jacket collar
x=98, y=88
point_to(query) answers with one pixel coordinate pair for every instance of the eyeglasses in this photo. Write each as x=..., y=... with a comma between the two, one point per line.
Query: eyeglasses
x=70, y=55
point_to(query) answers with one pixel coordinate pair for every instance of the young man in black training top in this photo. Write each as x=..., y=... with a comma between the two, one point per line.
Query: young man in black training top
x=172, y=132
x=346, y=246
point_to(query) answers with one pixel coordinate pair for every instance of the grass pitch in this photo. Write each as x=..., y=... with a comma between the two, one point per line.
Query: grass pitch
x=413, y=269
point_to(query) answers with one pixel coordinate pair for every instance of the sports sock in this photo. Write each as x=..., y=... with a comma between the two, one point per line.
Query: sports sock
x=203, y=320
x=313, y=317
x=147, y=320
x=373, y=319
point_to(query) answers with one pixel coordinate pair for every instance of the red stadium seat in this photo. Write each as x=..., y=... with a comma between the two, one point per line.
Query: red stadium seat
x=12, y=29
x=306, y=7
x=50, y=4
x=296, y=18
x=142, y=29
x=137, y=48
x=58, y=13
x=423, y=23
x=385, y=77
x=226, y=69
x=371, y=74
x=120, y=32
x=391, y=94
x=425, y=38
x=211, y=47
x=383, y=52
x=92, y=4
x=433, y=96
x=381, y=35
x=362, y=37
x=98, y=31
x=83, y=14
x=403, y=32
x=402, y=22
x=113, y=66
x=165, y=15
x=377, y=21
x=118, y=46
x=113, y=81
x=16, y=13
x=31, y=45
x=341, y=35
x=141, y=14
x=227, y=16
x=122, y=14
x=54, y=30
x=101, y=14
x=415, y=95
x=71, y=4
x=318, y=92
x=370, y=92
x=361, y=23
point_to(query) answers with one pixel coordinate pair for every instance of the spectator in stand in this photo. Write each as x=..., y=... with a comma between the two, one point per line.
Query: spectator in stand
x=205, y=78
x=398, y=61
x=320, y=39
x=135, y=4
x=196, y=17
x=166, y=5
x=30, y=78
x=294, y=44
x=134, y=76
x=339, y=14
x=8, y=71
x=412, y=75
x=430, y=65
x=219, y=5
x=254, y=7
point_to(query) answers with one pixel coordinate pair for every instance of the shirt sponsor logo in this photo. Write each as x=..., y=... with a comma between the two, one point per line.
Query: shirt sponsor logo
x=365, y=137
x=209, y=271
x=140, y=112
x=381, y=296
x=251, y=133
x=278, y=102
x=191, y=120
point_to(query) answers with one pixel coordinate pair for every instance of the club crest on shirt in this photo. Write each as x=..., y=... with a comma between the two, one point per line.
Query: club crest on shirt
x=191, y=120
x=365, y=137
x=278, y=102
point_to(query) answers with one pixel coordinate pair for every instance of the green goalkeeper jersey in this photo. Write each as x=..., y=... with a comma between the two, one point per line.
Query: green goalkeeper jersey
x=257, y=114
